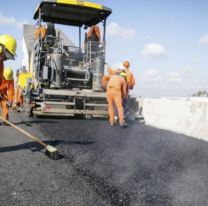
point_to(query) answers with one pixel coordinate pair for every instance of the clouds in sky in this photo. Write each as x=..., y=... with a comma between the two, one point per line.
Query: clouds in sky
x=174, y=76
x=151, y=76
x=113, y=29
x=203, y=41
x=188, y=70
x=116, y=65
x=5, y=20
x=154, y=51
x=197, y=60
x=185, y=72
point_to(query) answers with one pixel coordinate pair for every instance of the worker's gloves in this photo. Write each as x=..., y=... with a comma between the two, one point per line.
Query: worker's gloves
x=9, y=105
x=131, y=87
x=15, y=106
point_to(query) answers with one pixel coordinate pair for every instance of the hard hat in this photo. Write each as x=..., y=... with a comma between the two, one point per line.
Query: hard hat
x=121, y=67
x=126, y=64
x=10, y=46
x=8, y=74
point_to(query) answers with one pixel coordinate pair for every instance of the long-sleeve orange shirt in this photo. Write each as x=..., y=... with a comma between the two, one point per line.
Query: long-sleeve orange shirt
x=97, y=32
x=42, y=33
x=116, y=82
x=7, y=87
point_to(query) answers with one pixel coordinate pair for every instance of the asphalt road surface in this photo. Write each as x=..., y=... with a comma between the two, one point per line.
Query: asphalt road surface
x=101, y=165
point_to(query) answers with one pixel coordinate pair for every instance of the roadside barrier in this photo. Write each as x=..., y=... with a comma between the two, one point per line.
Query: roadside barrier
x=189, y=117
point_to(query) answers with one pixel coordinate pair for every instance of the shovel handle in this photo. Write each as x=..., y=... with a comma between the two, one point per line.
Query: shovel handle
x=24, y=132
x=132, y=110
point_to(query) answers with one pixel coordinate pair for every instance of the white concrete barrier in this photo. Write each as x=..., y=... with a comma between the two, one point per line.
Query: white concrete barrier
x=187, y=117
x=195, y=99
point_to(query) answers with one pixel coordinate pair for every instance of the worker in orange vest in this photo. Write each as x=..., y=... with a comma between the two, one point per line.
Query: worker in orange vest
x=42, y=31
x=121, y=71
x=18, y=100
x=93, y=35
x=116, y=92
x=7, y=92
x=8, y=46
x=19, y=97
x=130, y=81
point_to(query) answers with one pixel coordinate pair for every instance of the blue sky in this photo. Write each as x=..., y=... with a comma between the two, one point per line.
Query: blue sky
x=165, y=41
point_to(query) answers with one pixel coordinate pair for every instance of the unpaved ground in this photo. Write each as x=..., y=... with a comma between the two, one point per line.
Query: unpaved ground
x=102, y=165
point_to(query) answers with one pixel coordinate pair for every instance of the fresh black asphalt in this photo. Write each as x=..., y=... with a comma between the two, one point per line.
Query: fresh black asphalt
x=101, y=165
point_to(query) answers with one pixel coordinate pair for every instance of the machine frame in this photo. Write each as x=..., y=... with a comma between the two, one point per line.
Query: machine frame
x=62, y=80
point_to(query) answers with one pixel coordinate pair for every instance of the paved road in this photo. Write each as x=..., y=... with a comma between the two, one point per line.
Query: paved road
x=102, y=165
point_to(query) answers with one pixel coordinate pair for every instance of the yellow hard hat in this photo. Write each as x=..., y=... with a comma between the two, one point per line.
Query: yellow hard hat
x=8, y=74
x=10, y=45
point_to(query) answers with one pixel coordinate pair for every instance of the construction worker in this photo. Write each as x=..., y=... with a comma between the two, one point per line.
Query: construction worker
x=94, y=36
x=130, y=81
x=18, y=99
x=42, y=31
x=8, y=46
x=7, y=92
x=121, y=72
x=116, y=91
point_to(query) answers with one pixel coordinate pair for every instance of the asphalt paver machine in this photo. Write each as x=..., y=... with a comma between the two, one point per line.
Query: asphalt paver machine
x=63, y=79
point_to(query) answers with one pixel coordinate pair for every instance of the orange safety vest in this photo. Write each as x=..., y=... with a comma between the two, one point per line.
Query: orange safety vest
x=1, y=71
x=42, y=33
x=7, y=88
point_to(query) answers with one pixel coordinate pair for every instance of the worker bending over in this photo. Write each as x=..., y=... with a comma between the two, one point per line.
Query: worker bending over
x=116, y=91
x=7, y=92
x=122, y=73
x=130, y=81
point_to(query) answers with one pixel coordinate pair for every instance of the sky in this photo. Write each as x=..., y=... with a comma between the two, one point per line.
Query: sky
x=166, y=42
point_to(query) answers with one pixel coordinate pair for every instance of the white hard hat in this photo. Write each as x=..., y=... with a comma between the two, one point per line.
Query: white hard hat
x=121, y=67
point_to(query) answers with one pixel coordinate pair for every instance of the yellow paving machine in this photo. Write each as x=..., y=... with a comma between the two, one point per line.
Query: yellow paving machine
x=59, y=78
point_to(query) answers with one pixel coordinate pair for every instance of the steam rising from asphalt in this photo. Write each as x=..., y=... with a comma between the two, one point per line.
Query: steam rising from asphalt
x=139, y=165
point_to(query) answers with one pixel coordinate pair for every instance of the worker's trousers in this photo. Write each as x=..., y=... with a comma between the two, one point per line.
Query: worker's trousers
x=5, y=109
x=125, y=102
x=18, y=97
x=114, y=95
